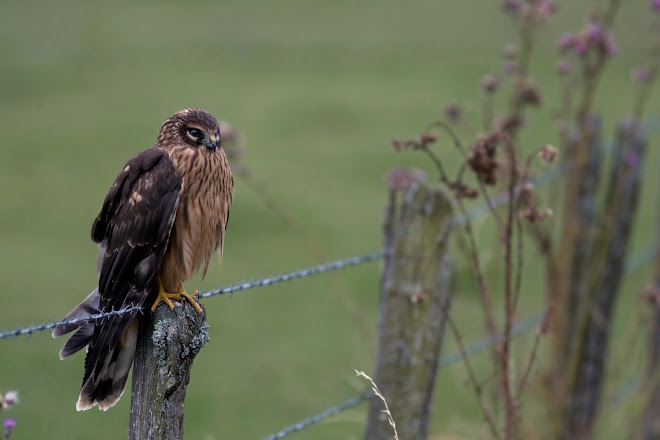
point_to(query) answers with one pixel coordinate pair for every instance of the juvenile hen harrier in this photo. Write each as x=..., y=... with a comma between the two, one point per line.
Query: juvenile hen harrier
x=162, y=220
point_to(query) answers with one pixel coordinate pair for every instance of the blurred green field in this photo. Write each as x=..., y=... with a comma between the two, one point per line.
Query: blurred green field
x=319, y=89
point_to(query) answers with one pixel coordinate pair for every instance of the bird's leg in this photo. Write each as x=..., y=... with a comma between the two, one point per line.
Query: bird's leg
x=164, y=297
x=182, y=292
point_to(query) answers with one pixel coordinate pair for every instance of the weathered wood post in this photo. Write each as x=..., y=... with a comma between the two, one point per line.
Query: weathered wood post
x=587, y=367
x=651, y=418
x=416, y=291
x=168, y=341
x=650, y=429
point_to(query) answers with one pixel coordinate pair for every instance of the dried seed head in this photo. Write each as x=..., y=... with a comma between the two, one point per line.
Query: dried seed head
x=529, y=93
x=534, y=215
x=526, y=196
x=463, y=191
x=548, y=154
x=651, y=292
x=490, y=83
x=510, y=52
x=453, y=113
x=483, y=161
x=510, y=67
x=513, y=7
x=399, y=145
x=426, y=138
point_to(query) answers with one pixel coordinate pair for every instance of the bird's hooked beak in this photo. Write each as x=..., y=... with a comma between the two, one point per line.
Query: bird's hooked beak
x=212, y=142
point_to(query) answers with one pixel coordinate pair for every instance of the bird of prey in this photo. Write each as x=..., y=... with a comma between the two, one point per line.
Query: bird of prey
x=162, y=219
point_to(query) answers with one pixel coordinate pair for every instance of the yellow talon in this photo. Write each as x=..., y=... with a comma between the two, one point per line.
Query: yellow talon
x=164, y=297
x=182, y=292
x=180, y=295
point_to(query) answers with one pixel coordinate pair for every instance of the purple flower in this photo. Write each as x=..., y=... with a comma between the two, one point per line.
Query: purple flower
x=546, y=8
x=564, y=67
x=593, y=32
x=655, y=4
x=580, y=47
x=608, y=44
x=640, y=74
x=512, y=6
x=510, y=53
x=509, y=67
x=9, y=423
x=566, y=42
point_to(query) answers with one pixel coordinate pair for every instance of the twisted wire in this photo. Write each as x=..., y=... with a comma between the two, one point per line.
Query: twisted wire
x=650, y=126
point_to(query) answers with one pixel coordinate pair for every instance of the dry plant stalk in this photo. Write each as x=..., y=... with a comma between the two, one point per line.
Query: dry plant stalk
x=376, y=391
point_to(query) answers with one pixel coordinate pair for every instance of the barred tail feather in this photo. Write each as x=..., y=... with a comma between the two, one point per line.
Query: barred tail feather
x=106, y=386
x=83, y=336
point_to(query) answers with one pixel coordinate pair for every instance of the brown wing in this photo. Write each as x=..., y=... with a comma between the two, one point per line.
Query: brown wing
x=132, y=231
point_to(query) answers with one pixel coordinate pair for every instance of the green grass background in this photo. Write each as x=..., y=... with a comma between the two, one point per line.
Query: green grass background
x=319, y=89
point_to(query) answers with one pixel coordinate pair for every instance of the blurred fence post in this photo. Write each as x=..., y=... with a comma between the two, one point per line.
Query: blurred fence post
x=416, y=291
x=651, y=425
x=168, y=341
x=651, y=418
x=607, y=260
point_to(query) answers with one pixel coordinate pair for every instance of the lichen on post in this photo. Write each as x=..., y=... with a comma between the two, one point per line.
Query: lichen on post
x=168, y=341
x=416, y=291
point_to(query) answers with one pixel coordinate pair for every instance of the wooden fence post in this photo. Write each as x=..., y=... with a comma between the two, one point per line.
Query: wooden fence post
x=416, y=291
x=587, y=366
x=168, y=341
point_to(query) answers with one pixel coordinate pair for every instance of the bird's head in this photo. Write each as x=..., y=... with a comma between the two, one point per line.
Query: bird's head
x=193, y=128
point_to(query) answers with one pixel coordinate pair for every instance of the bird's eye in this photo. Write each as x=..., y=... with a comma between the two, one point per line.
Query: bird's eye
x=195, y=133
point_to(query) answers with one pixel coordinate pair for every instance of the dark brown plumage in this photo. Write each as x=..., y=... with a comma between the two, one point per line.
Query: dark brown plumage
x=161, y=221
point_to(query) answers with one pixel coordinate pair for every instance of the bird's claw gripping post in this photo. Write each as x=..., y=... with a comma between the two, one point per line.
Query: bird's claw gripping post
x=164, y=297
x=180, y=295
x=185, y=295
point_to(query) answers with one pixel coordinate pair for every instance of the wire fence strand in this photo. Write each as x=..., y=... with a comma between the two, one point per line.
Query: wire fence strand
x=304, y=273
x=238, y=287
x=336, y=265
x=344, y=263
x=634, y=262
x=650, y=126
x=346, y=404
x=470, y=350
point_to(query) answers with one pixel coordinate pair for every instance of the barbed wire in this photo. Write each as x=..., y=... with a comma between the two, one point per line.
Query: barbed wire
x=472, y=349
x=346, y=404
x=549, y=175
x=303, y=273
x=73, y=321
x=634, y=262
x=344, y=263
x=458, y=220
x=237, y=287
